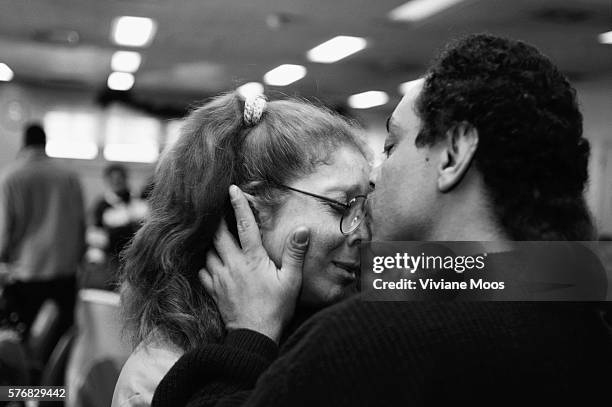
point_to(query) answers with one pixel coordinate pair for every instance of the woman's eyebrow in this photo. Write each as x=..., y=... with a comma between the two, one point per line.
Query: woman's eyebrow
x=344, y=193
x=337, y=195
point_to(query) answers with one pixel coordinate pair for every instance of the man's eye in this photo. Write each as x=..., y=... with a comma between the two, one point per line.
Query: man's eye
x=388, y=150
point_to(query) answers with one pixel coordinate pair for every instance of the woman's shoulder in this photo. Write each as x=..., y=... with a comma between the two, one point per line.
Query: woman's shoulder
x=142, y=372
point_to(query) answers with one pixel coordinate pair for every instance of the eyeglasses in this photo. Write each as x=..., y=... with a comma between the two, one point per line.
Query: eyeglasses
x=354, y=210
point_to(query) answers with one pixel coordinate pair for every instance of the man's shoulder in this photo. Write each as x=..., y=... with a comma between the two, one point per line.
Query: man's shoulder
x=61, y=169
x=43, y=168
x=10, y=172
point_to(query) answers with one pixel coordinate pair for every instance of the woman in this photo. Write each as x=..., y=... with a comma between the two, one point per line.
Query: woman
x=298, y=165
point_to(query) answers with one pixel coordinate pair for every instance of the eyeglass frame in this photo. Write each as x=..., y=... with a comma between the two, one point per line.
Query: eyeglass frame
x=346, y=205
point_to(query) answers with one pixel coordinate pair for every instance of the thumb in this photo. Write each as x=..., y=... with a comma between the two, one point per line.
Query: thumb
x=295, y=251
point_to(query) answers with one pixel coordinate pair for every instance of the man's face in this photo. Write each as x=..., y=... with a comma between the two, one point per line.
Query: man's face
x=404, y=201
x=116, y=181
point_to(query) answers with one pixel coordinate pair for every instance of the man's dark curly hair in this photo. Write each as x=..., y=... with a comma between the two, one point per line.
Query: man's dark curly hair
x=531, y=152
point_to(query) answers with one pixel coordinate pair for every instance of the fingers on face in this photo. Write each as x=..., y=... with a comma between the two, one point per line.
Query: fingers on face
x=295, y=250
x=225, y=244
x=207, y=281
x=214, y=264
x=214, y=274
x=248, y=231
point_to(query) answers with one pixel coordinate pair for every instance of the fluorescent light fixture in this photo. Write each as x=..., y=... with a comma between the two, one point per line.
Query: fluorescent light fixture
x=251, y=89
x=126, y=61
x=80, y=151
x=133, y=31
x=407, y=86
x=120, y=81
x=71, y=134
x=366, y=100
x=605, y=38
x=285, y=74
x=416, y=10
x=336, y=49
x=131, y=138
x=6, y=73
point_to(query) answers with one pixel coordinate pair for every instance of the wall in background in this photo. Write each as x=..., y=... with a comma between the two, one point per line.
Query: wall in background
x=596, y=105
x=22, y=104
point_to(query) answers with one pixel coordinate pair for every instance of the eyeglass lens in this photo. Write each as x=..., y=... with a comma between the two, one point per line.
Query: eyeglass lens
x=353, y=216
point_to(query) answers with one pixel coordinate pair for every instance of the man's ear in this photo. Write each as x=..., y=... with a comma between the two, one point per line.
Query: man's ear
x=457, y=154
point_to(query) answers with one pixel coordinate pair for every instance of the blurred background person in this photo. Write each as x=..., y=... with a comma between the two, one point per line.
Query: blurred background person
x=42, y=224
x=116, y=218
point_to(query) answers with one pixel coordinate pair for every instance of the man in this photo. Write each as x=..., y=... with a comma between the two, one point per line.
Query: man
x=117, y=214
x=42, y=225
x=488, y=147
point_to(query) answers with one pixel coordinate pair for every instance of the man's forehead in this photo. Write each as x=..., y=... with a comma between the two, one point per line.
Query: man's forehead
x=405, y=108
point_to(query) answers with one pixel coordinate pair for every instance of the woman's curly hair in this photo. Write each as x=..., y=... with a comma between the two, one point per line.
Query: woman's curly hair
x=531, y=152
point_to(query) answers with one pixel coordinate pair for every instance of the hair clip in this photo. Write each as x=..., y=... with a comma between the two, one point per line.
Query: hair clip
x=254, y=107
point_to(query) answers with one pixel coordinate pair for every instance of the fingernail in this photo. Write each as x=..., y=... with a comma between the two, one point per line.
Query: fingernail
x=233, y=190
x=301, y=236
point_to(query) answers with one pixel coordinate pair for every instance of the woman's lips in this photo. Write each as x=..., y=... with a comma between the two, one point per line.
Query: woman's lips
x=350, y=271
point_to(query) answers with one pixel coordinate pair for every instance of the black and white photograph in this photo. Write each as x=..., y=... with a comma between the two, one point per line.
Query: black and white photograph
x=305, y=203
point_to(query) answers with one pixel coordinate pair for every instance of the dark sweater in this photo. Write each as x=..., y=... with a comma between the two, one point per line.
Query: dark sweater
x=362, y=353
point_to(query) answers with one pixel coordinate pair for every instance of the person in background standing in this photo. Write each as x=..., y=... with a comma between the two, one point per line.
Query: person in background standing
x=117, y=214
x=42, y=233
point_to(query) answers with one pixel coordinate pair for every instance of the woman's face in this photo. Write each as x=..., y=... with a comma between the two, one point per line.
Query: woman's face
x=332, y=262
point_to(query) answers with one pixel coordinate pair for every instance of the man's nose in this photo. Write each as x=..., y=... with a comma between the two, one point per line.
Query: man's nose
x=374, y=174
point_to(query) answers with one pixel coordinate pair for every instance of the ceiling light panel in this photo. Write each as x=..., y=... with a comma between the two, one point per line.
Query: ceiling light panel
x=121, y=81
x=336, y=49
x=369, y=99
x=126, y=61
x=417, y=10
x=131, y=31
x=284, y=75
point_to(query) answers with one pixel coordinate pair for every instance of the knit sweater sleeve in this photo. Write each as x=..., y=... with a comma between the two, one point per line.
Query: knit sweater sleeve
x=240, y=372
x=312, y=366
x=217, y=374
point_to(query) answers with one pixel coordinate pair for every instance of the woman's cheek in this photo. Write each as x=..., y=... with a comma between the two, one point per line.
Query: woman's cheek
x=323, y=243
x=274, y=241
